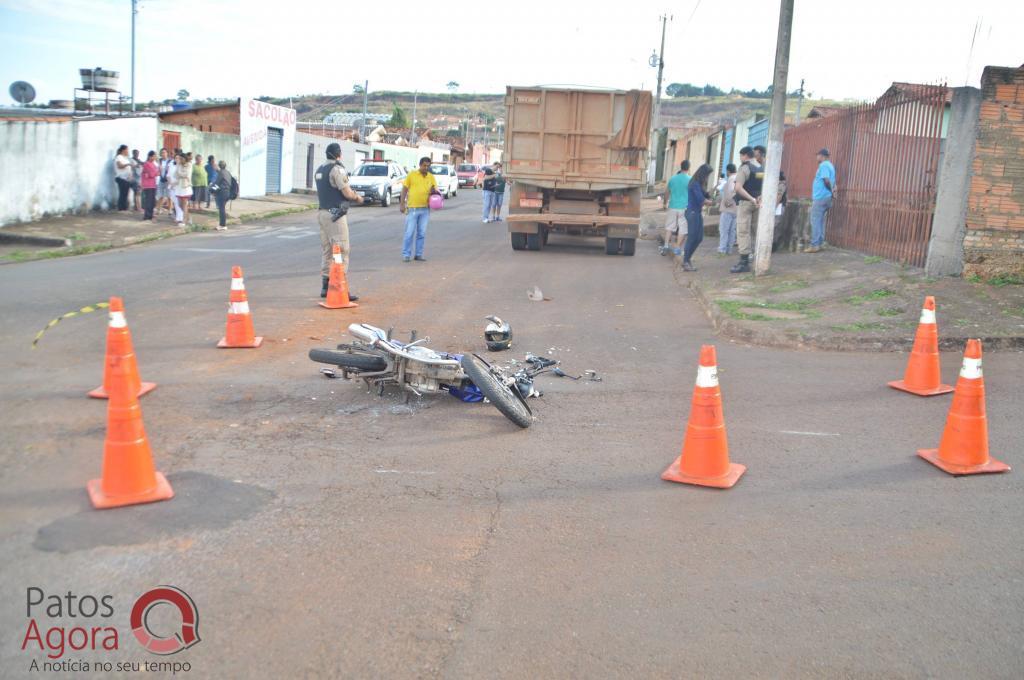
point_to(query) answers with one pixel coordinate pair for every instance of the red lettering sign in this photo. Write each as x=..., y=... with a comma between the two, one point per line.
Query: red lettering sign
x=271, y=112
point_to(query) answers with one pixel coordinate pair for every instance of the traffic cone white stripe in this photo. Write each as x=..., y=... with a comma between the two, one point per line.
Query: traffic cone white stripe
x=707, y=376
x=971, y=369
x=337, y=258
x=237, y=284
x=117, y=320
x=239, y=308
x=928, y=316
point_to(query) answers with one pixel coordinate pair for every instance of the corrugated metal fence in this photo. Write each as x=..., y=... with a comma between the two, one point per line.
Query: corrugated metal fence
x=887, y=157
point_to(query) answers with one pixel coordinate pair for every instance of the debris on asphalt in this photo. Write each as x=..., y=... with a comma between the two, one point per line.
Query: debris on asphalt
x=592, y=376
x=537, y=295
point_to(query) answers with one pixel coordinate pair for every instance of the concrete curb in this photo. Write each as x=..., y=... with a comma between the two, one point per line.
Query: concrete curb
x=43, y=241
x=771, y=337
x=54, y=242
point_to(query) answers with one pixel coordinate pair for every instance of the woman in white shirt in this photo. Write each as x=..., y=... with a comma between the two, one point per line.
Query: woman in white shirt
x=122, y=176
x=182, y=188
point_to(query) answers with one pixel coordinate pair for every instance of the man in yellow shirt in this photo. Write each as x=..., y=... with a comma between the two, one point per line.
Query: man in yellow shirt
x=416, y=189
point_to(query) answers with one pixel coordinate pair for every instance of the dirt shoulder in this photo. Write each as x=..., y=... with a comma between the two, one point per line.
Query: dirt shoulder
x=843, y=300
x=72, y=234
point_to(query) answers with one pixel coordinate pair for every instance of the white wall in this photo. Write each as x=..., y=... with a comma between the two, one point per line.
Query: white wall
x=56, y=168
x=352, y=154
x=254, y=119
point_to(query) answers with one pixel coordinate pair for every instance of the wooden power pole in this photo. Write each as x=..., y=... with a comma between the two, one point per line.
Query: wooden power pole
x=773, y=157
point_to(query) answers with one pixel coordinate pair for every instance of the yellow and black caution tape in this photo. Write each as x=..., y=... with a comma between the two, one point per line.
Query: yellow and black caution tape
x=84, y=310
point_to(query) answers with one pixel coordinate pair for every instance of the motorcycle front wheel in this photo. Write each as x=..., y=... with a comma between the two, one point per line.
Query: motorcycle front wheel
x=505, y=399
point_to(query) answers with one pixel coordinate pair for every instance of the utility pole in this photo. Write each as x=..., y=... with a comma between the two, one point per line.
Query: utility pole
x=800, y=101
x=412, y=125
x=776, y=130
x=366, y=88
x=135, y=10
x=659, y=61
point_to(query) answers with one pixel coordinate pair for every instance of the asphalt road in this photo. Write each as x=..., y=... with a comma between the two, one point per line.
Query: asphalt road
x=324, y=532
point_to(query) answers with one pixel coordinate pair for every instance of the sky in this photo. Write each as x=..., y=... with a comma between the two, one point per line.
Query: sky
x=228, y=48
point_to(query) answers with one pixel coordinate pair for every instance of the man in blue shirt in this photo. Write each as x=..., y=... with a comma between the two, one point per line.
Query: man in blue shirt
x=675, y=203
x=822, y=190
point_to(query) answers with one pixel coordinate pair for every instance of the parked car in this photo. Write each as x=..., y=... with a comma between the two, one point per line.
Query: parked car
x=447, y=180
x=378, y=181
x=470, y=175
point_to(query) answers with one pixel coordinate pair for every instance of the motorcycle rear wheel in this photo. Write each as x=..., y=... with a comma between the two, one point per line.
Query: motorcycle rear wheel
x=359, y=361
x=504, y=398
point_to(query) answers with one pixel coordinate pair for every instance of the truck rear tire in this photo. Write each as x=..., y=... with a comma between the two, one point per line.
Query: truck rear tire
x=535, y=241
x=629, y=246
x=518, y=240
x=611, y=246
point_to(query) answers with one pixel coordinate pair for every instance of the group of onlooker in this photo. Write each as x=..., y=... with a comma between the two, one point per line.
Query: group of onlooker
x=739, y=198
x=171, y=184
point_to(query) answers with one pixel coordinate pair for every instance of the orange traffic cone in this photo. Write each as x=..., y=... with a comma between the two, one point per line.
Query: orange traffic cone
x=337, y=287
x=923, y=376
x=128, y=473
x=964, y=446
x=239, y=332
x=705, y=457
x=119, y=351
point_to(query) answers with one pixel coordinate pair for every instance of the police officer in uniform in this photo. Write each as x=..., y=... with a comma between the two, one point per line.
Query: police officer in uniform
x=334, y=193
x=749, y=180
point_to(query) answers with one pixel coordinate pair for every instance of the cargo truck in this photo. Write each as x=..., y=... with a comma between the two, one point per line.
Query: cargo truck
x=577, y=160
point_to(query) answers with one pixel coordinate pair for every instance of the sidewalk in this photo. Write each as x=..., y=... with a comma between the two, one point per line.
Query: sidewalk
x=95, y=231
x=843, y=300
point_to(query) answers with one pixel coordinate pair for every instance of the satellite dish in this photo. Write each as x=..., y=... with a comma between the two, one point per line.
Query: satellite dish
x=22, y=92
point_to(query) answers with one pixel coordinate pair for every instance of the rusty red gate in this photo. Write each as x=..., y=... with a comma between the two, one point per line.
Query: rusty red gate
x=887, y=158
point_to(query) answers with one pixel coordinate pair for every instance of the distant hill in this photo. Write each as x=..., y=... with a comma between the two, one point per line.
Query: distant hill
x=730, y=108
x=486, y=108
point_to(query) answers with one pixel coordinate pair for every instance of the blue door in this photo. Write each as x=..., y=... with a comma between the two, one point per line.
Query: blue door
x=275, y=142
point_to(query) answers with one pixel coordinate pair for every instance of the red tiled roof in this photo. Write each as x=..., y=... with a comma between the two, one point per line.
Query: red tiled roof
x=822, y=111
x=913, y=91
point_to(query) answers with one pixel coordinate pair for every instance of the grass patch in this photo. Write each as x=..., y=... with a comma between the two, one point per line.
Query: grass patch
x=889, y=311
x=860, y=326
x=1015, y=311
x=1001, y=280
x=18, y=255
x=879, y=294
x=739, y=309
x=77, y=236
x=873, y=259
x=787, y=286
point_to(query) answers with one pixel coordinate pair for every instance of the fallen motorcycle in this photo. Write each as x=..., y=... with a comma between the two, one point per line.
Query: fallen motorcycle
x=380, y=360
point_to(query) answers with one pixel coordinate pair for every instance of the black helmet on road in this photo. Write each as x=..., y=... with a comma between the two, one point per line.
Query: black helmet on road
x=334, y=151
x=498, y=335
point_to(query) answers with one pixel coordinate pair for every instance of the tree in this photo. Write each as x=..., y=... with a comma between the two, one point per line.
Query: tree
x=182, y=95
x=683, y=90
x=357, y=89
x=452, y=86
x=712, y=91
x=398, y=118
